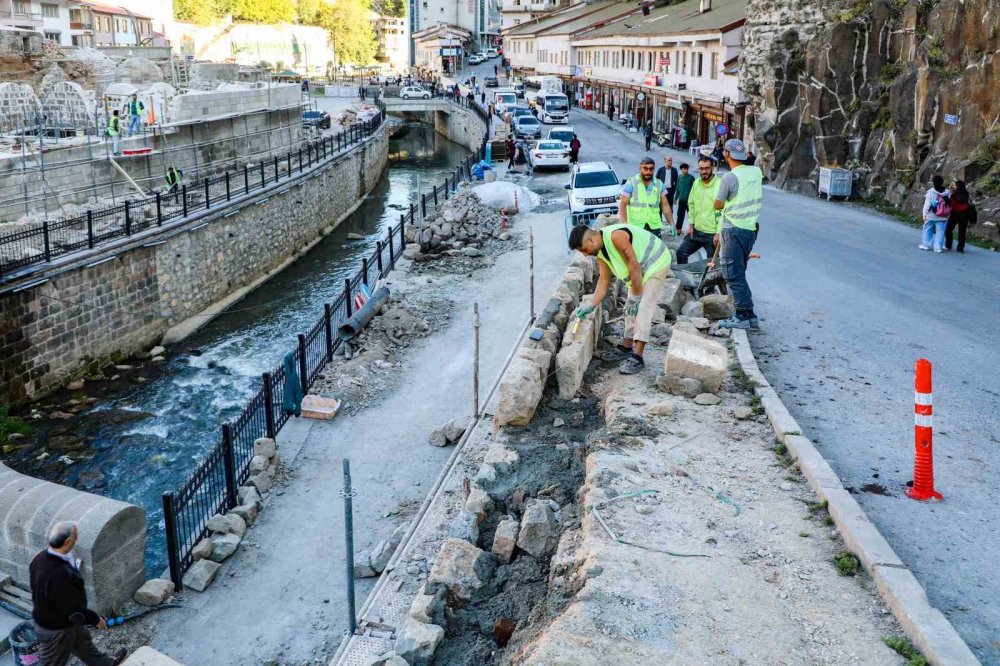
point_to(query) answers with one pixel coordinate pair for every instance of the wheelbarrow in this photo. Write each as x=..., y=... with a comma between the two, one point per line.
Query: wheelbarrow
x=699, y=277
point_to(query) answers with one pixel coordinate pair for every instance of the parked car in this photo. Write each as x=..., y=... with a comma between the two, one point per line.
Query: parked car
x=475, y=59
x=593, y=187
x=544, y=154
x=414, y=92
x=564, y=134
x=491, y=82
x=318, y=119
x=527, y=127
x=492, y=53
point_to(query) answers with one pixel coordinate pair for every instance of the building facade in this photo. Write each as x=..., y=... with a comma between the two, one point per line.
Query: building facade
x=76, y=23
x=439, y=50
x=516, y=12
x=393, y=37
x=480, y=18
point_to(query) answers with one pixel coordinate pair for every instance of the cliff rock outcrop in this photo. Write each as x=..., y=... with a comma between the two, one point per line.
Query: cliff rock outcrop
x=896, y=90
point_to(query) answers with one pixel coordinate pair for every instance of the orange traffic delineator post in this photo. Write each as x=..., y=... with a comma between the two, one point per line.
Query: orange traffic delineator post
x=923, y=432
x=503, y=218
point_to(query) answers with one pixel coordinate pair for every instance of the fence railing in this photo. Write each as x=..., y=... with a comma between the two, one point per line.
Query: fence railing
x=45, y=241
x=212, y=488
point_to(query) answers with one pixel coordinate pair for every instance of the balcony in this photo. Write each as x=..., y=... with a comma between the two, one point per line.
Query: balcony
x=81, y=25
x=32, y=19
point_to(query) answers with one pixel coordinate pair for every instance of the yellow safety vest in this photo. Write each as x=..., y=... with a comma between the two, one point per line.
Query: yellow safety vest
x=652, y=253
x=701, y=206
x=744, y=210
x=644, y=207
x=113, y=125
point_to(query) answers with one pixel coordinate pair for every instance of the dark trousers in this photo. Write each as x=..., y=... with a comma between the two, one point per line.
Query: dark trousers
x=963, y=224
x=574, y=156
x=693, y=243
x=649, y=140
x=682, y=209
x=58, y=645
x=737, y=244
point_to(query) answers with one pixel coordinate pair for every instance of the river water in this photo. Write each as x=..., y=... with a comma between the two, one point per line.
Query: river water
x=152, y=425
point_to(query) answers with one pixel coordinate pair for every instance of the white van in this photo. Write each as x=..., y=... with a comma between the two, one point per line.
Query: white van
x=504, y=98
x=492, y=53
x=553, y=108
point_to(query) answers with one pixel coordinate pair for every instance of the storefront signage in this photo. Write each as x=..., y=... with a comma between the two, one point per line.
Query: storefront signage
x=651, y=80
x=712, y=116
x=950, y=119
x=641, y=96
x=665, y=60
x=450, y=51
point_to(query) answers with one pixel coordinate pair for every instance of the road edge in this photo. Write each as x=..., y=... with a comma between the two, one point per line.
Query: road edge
x=925, y=625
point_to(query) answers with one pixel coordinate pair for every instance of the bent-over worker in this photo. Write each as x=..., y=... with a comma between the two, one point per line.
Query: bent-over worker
x=644, y=202
x=60, y=612
x=642, y=261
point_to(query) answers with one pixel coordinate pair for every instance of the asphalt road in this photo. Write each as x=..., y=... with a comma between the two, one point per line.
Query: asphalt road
x=847, y=305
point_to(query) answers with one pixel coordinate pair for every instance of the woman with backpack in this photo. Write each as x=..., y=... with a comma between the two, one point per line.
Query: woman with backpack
x=963, y=213
x=936, y=210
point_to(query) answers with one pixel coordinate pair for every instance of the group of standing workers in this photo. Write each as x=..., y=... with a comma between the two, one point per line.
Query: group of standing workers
x=133, y=109
x=724, y=214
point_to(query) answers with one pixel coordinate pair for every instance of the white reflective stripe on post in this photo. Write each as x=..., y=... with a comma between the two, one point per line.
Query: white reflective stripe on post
x=923, y=420
x=922, y=398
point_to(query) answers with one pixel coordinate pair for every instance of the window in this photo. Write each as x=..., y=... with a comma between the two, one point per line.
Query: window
x=715, y=66
x=684, y=63
x=54, y=36
x=701, y=63
x=21, y=7
x=50, y=11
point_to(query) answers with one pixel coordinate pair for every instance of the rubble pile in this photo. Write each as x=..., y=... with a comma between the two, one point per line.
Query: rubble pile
x=460, y=226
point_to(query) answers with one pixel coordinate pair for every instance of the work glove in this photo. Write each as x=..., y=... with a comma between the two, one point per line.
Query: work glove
x=584, y=310
x=632, y=305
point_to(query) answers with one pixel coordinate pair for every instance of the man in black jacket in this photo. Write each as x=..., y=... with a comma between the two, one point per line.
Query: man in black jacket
x=60, y=605
x=668, y=175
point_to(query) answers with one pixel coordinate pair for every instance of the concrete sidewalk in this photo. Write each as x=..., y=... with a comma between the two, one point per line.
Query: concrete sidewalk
x=282, y=597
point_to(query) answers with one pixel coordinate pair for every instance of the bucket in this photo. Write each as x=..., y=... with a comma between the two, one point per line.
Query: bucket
x=24, y=645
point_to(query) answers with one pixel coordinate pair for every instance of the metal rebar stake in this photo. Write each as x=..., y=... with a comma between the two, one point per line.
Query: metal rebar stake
x=348, y=494
x=531, y=260
x=475, y=361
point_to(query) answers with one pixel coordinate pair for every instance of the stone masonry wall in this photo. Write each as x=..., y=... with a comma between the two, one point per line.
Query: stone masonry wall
x=84, y=317
x=461, y=126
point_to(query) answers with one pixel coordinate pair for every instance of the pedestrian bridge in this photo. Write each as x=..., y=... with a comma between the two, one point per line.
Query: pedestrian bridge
x=400, y=105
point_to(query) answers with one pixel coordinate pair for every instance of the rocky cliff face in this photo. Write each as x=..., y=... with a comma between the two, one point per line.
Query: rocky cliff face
x=874, y=85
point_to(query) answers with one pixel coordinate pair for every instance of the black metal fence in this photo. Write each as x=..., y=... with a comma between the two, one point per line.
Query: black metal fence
x=212, y=488
x=48, y=240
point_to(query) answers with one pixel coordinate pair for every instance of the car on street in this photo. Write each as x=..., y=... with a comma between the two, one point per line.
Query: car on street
x=593, y=187
x=548, y=154
x=414, y=92
x=476, y=59
x=519, y=111
x=492, y=53
x=491, y=82
x=527, y=127
x=519, y=89
x=317, y=119
x=564, y=134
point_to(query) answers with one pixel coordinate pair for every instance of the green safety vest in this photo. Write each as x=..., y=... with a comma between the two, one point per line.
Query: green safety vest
x=744, y=210
x=134, y=107
x=171, y=181
x=113, y=125
x=644, y=207
x=652, y=253
x=701, y=206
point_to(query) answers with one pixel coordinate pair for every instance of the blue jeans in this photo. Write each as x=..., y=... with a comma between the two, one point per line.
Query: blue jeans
x=733, y=257
x=934, y=233
x=133, y=125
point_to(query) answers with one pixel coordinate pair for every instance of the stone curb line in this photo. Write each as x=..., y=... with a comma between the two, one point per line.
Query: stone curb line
x=926, y=626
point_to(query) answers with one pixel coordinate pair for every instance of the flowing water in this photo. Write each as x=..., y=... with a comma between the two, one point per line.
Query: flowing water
x=152, y=425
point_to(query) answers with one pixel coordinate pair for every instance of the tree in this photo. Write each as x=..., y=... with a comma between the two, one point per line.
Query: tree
x=307, y=12
x=351, y=34
x=262, y=11
x=200, y=12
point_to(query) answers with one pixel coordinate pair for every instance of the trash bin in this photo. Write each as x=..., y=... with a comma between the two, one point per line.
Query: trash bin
x=24, y=645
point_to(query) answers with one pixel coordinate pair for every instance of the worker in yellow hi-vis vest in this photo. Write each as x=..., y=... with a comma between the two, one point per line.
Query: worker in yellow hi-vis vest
x=135, y=109
x=640, y=259
x=644, y=203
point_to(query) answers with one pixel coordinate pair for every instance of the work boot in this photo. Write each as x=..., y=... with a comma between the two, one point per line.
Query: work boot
x=754, y=324
x=735, y=322
x=632, y=365
x=119, y=656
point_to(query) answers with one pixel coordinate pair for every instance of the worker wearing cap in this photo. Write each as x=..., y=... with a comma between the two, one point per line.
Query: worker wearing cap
x=642, y=261
x=644, y=203
x=739, y=200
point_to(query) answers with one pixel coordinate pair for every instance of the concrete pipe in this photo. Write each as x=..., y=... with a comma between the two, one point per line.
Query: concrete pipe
x=353, y=326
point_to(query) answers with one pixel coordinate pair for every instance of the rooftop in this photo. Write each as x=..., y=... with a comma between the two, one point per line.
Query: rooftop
x=678, y=19
x=108, y=9
x=560, y=16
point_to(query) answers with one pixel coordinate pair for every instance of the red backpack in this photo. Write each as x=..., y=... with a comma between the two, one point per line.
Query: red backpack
x=943, y=206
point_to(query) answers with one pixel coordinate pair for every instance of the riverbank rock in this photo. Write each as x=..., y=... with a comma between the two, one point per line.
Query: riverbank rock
x=416, y=642
x=460, y=569
x=201, y=574
x=154, y=592
x=460, y=225
x=450, y=432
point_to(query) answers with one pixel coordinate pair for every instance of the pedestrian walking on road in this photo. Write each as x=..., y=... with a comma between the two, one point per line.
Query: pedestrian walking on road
x=115, y=131
x=644, y=204
x=684, y=183
x=963, y=213
x=495, y=70
x=647, y=134
x=642, y=261
x=511, y=151
x=611, y=110
x=60, y=612
x=668, y=174
x=937, y=210
x=574, y=150
x=740, y=199
x=703, y=226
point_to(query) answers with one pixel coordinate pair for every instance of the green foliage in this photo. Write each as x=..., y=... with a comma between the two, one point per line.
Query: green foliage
x=307, y=11
x=883, y=117
x=262, y=11
x=351, y=32
x=905, y=648
x=10, y=425
x=857, y=11
x=889, y=72
x=985, y=156
x=847, y=564
x=395, y=8
x=991, y=185
x=200, y=12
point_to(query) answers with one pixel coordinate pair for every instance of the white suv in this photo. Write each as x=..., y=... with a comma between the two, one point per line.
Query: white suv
x=414, y=91
x=593, y=187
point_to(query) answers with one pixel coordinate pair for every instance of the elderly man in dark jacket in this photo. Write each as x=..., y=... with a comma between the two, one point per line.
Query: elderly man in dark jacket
x=60, y=605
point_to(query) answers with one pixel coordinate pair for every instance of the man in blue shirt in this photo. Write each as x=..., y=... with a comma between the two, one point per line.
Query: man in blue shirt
x=135, y=109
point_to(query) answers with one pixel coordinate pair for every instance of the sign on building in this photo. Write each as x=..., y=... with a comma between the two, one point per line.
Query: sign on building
x=665, y=59
x=950, y=119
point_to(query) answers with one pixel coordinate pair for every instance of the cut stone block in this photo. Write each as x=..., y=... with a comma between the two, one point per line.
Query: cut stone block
x=201, y=574
x=460, y=569
x=318, y=407
x=692, y=356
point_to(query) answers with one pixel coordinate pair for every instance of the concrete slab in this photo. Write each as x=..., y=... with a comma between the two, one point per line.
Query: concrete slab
x=147, y=656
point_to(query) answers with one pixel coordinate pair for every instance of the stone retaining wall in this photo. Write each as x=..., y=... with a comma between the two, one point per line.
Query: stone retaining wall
x=112, y=535
x=460, y=125
x=87, y=315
